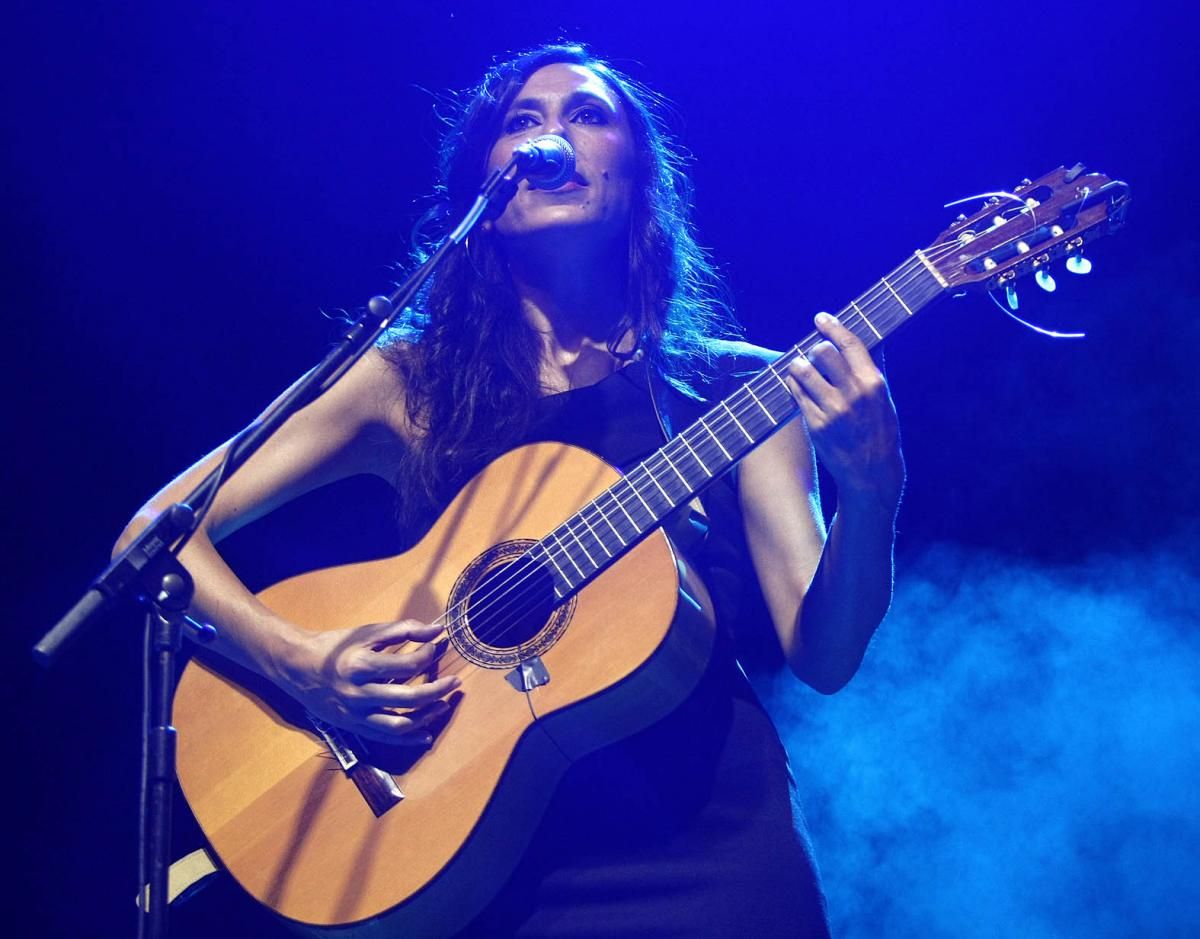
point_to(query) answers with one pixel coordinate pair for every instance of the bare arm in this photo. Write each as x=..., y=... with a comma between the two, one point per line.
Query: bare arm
x=827, y=591
x=341, y=676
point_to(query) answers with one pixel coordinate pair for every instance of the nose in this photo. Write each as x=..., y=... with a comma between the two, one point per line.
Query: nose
x=559, y=129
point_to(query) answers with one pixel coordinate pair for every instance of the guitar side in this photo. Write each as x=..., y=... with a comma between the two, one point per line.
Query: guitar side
x=295, y=831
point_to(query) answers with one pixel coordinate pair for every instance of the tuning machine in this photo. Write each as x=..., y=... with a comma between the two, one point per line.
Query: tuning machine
x=1078, y=264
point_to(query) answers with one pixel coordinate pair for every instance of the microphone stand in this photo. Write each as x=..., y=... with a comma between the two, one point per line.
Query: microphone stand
x=149, y=569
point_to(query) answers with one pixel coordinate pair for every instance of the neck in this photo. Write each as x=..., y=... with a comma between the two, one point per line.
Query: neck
x=572, y=295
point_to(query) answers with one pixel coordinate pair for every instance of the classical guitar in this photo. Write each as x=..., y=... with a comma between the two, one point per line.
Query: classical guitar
x=567, y=613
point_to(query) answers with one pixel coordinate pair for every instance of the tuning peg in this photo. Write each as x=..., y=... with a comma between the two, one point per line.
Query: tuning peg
x=1078, y=264
x=1045, y=281
x=1010, y=294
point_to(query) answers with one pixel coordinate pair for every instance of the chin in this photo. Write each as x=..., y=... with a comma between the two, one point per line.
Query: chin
x=560, y=218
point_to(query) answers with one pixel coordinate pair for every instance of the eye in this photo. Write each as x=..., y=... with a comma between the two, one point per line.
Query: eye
x=519, y=122
x=589, y=114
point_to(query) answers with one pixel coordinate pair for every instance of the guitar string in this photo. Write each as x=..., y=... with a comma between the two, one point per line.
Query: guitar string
x=713, y=420
x=746, y=409
x=505, y=589
x=874, y=296
x=745, y=403
x=855, y=315
x=934, y=254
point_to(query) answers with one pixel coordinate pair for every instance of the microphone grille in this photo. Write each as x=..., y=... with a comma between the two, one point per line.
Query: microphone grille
x=561, y=165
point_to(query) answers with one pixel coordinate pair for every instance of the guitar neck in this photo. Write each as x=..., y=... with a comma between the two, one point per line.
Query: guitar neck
x=600, y=532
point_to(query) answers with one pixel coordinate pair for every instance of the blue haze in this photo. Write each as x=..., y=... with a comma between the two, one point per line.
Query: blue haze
x=1018, y=755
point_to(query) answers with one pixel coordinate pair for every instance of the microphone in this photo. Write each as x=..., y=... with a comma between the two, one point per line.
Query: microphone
x=547, y=161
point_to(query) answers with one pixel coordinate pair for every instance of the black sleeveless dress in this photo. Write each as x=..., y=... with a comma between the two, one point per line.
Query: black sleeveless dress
x=691, y=827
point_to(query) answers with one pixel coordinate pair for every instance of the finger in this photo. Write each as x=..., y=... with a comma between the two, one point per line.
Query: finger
x=831, y=364
x=380, y=635
x=369, y=665
x=394, y=729
x=814, y=417
x=430, y=714
x=812, y=384
x=396, y=666
x=380, y=695
x=854, y=349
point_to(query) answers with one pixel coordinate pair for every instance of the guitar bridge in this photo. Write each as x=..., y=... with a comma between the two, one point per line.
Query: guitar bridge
x=378, y=788
x=528, y=675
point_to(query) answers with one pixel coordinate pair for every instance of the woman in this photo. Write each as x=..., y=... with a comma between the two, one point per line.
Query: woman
x=556, y=323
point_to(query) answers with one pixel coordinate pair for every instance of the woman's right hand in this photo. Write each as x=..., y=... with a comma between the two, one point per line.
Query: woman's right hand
x=349, y=678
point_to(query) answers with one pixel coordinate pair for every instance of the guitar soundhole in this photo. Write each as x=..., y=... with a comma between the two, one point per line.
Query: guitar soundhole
x=511, y=604
x=503, y=609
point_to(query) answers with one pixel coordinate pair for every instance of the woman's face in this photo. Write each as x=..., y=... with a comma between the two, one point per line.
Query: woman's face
x=573, y=102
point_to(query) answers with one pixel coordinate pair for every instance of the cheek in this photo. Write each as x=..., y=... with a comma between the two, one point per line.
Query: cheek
x=620, y=183
x=496, y=158
x=617, y=168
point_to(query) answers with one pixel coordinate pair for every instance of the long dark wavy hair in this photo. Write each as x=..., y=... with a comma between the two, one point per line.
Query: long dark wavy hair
x=469, y=359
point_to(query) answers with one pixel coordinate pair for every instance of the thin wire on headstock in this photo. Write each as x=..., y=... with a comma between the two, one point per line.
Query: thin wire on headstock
x=1053, y=334
x=989, y=195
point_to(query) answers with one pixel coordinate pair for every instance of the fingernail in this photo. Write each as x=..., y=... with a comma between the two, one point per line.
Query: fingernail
x=824, y=319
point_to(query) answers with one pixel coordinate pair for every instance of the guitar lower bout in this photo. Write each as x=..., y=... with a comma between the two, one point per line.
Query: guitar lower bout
x=618, y=654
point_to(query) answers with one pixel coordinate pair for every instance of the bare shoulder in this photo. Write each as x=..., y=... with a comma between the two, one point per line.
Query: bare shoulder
x=373, y=390
x=367, y=407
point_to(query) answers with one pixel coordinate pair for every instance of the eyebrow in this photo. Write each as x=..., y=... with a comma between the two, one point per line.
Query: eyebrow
x=575, y=97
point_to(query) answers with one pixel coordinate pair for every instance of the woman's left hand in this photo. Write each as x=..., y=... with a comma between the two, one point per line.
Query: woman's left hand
x=850, y=415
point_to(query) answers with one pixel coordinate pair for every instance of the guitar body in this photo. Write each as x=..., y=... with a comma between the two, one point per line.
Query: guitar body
x=295, y=830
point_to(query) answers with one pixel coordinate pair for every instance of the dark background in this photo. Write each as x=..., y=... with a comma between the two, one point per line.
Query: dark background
x=186, y=187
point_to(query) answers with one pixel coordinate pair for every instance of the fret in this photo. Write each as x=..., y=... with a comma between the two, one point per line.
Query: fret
x=781, y=402
x=579, y=541
x=666, y=456
x=770, y=416
x=634, y=489
x=779, y=378
x=570, y=557
x=596, y=503
x=715, y=438
x=729, y=411
x=539, y=546
x=942, y=282
x=599, y=541
x=621, y=506
x=870, y=325
x=885, y=283
x=695, y=455
x=646, y=469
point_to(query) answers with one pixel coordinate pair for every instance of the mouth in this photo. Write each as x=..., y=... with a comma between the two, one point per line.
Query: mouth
x=575, y=182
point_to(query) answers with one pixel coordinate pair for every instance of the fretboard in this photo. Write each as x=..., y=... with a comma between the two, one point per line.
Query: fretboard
x=595, y=536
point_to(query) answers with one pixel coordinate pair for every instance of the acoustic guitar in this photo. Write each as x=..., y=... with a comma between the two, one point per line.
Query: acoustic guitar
x=566, y=611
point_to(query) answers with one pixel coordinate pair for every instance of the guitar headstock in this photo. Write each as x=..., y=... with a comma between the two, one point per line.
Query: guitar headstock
x=1009, y=237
